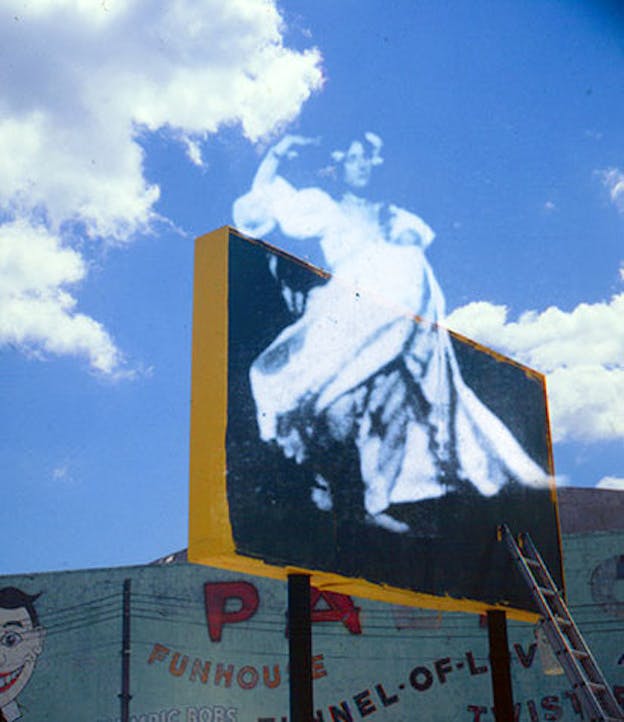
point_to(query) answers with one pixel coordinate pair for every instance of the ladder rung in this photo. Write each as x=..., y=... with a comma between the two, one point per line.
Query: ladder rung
x=532, y=562
x=547, y=592
x=579, y=654
x=596, y=687
x=562, y=621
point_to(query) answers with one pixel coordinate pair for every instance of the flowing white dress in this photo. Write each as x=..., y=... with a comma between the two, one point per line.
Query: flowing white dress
x=369, y=361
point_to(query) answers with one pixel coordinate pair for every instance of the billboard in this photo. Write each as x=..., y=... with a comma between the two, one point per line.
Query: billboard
x=337, y=431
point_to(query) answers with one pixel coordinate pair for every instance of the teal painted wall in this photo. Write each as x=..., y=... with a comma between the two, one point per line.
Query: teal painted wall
x=372, y=661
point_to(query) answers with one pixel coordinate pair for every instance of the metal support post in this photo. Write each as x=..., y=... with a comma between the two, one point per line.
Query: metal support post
x=300, y=647
x=500, y=666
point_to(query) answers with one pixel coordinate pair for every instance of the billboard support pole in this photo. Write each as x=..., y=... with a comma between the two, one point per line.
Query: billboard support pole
x=300, y=647
x=500, y=666
x=125, y=695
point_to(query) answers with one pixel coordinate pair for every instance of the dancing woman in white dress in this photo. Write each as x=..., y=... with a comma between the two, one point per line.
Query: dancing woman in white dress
x=368, y=362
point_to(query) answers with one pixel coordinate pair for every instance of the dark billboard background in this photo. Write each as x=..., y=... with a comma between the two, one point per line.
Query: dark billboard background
x=451, y=548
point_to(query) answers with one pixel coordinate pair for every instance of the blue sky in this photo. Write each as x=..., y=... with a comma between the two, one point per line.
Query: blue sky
x=127, y=131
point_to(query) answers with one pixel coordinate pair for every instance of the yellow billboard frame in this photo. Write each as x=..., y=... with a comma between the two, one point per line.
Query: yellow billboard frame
x=211, y=540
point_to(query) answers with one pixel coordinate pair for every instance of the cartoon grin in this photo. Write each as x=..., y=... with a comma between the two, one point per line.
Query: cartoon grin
x=8, y=679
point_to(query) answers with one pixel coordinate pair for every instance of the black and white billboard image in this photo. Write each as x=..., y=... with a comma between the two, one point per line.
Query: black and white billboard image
x=361, y=437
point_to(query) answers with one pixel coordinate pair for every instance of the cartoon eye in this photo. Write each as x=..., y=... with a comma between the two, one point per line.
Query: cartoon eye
x=11, y=639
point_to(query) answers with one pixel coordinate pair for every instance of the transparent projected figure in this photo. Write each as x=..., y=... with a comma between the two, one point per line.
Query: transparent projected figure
x=367, y=361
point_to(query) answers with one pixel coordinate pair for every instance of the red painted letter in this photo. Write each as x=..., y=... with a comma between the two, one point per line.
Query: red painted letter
x=216, y=598
x=335, y=608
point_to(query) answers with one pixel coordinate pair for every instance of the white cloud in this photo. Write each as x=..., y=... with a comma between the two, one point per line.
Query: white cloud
x=613, y=179
x=62, y=476
x=611, y=482
x=80, y=82
x=581, y=352
x=194, y=152
x=60, y=472
x=38, y=311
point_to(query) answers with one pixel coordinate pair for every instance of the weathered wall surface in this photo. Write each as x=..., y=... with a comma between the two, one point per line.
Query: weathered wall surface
x=210, y=646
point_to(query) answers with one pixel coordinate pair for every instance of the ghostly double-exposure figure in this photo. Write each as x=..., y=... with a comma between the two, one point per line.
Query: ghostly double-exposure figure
x=367, y=362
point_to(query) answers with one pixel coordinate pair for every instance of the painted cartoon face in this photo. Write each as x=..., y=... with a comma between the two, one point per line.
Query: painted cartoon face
x=20, y=645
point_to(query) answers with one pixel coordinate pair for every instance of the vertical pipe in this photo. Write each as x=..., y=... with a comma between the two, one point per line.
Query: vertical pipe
x=300, y=647
x=500, y=666
x=125, y=695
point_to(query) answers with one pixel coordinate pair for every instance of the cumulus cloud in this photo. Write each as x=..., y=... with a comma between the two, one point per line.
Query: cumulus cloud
x=38, y=309
x=581, y=352
x=611, y=482
x=80, y=82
